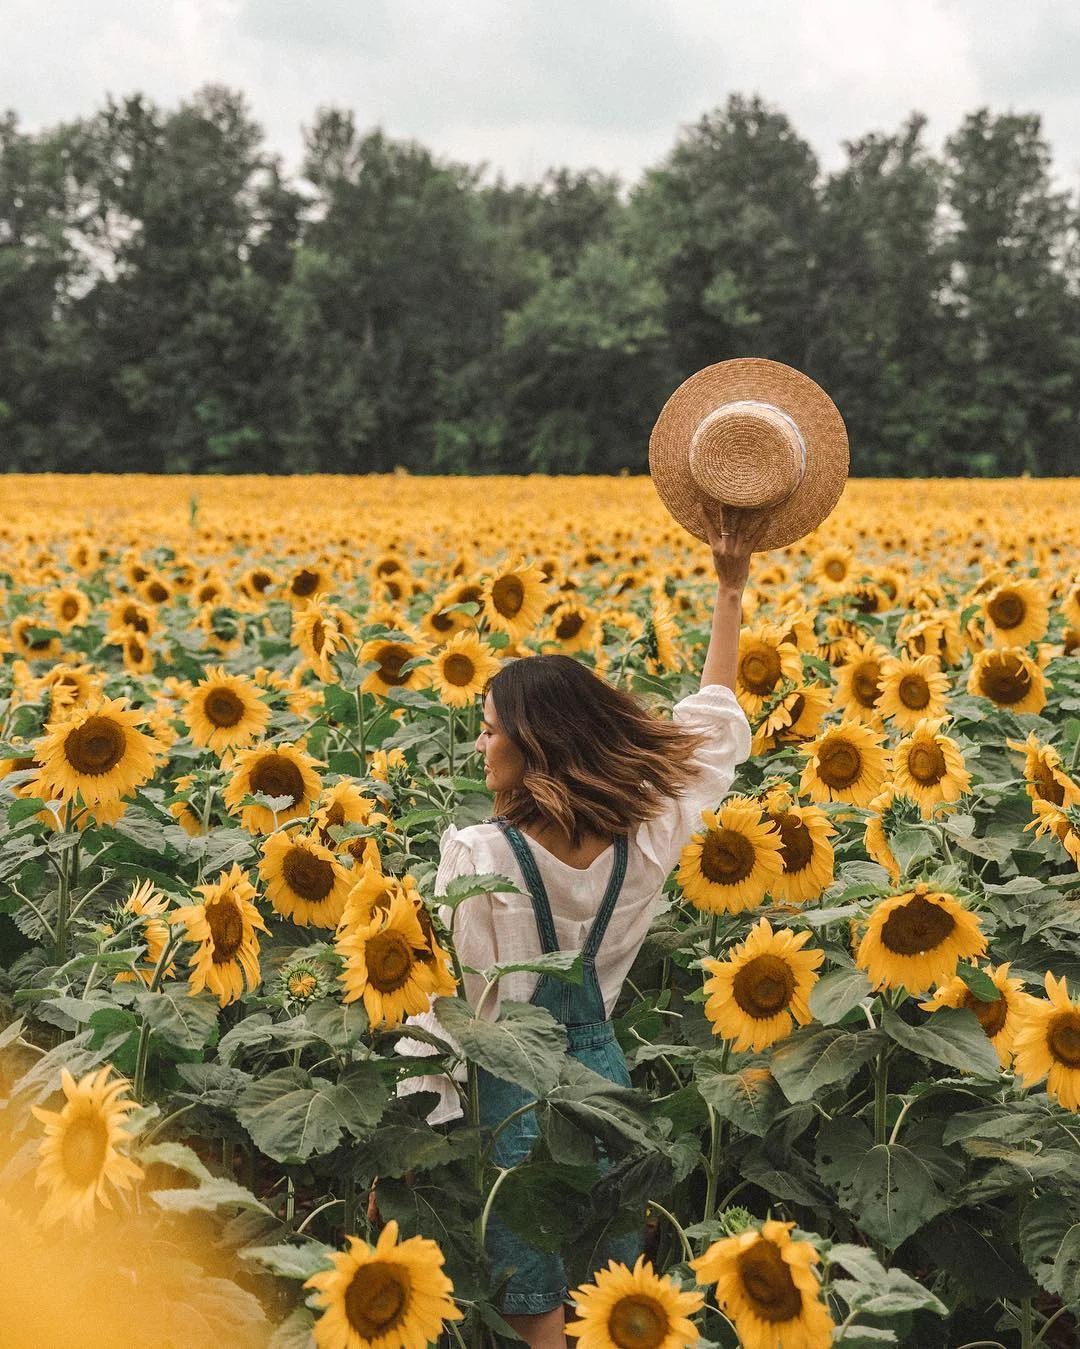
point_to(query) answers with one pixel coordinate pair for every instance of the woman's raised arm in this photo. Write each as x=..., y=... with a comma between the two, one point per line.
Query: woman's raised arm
x=732, y=535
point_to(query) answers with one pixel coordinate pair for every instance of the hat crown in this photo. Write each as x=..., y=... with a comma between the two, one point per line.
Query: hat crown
x=748, y=454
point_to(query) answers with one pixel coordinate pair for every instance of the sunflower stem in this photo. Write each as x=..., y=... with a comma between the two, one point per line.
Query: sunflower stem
x=64, y=895
x=714, y=928
x=142, y=1052
x=1027, y=1327
x=489, y=1201
x=684, y=1240
x=450, y=739
x=881, y=1096
x=714, y=1166
x=360, y=729
x=349, y=1199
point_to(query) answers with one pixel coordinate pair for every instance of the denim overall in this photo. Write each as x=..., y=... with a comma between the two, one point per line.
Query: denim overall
x=538, y=1281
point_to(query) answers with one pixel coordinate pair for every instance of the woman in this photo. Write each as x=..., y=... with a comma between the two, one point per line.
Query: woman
x=595, y=800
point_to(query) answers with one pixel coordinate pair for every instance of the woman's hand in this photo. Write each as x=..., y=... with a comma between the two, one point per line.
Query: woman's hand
x=732, y=534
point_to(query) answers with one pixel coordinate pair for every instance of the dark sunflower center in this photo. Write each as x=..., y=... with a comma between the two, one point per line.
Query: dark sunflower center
x=318, y=635
x=866, y=682
x=133, y=619
x=69, y=609
x=95, y=747
x=1007, y=610
x=391, y=658
x=839, y=764
x=727, y=857
x=1004, y=680
x=637, y=1322
x=389, y=961
x=469, y=594
x=767, y=1283
x=795, y=708
x=458, y=670
x=377, y=1299
x=1063, y=1038
x=763, y=986
x=83, y=1150
x=226, y=928
x=274, y=775
x=304, y=582
x=926, y=764
x=310, y=877
x=135, y=649
x=335, y=815
x=157, y=592
x=207, y=593
x=1047, y=787
x=260, y=581
x=916, y=927
x=991, y=1015
x=796, y=843
x=836, y=569
x=442, y=622
x=508, y=595
x=223, y=707
x=569, y=626
x=760, y=669
x=913, y=691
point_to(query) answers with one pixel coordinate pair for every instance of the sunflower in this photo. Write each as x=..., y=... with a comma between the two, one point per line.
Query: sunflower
x=257, y=582
x=383, y=965
x=70, y=685
x=393, y=1295
x=634, y=1309
x=343, y=803
x=69, y=608
x=858, y=681
x=659, y=638
x=225, y=711
x=935, y=634
x=875, y=839
x=34, y=648
x=370, y=897
x=732, y=864
x=514, y=598
x=129, y=613
x=149, y=905
x=305, y=583
x=317, y=634
x=928, y=767
x=792, y=718
x=999, y=1018
x=916, y=939
x=765, y=661
x=805, y=849
x=1063, y=824
x=832, y=568
x=304, y=880
x=1016, y=613
x=756, y=995
x=276, y=771
x=848, y=763
x=80, y=1153
x=389, y=654
x=136, y=654
x=1047, y=1043
x=461, y=669
x=224, y=926
x=912, y=687
x=573, y=626
x=1009, y=678
x=98, y=752
x=766, y=1283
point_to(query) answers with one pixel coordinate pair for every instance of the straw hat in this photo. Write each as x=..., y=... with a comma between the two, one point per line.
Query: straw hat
x=753, y=434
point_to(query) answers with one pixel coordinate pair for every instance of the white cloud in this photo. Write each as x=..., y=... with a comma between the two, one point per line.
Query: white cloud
x=525, y=84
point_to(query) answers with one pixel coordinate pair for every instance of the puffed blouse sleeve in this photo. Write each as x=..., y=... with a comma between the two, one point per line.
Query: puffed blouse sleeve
x=713, y=712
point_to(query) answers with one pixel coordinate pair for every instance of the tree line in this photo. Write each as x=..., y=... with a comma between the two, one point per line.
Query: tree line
x=170, y=301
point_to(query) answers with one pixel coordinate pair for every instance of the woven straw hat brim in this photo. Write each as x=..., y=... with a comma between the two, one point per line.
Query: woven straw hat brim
x=752, y=379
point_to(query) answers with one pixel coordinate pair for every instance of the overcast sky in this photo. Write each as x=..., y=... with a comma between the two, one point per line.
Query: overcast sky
x=522, y=85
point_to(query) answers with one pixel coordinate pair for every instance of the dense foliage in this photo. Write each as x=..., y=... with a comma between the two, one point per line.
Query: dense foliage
x=232, y=732
x=170, y=301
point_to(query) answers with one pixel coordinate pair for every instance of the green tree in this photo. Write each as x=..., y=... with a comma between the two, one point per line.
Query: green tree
x=1013, y=355
x=726, y=225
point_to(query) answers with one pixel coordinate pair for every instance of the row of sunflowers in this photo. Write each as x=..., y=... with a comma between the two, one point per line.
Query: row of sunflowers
x=233, y=727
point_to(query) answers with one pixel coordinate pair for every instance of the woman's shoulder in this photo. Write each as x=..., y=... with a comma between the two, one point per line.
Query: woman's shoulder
x=471, y=841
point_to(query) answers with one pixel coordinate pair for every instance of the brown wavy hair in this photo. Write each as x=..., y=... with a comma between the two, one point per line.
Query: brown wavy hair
x=596, y=759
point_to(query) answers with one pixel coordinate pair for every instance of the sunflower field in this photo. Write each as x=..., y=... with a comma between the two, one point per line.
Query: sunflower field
x=235, y=718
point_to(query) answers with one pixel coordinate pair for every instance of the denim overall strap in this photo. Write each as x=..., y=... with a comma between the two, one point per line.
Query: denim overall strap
x=545, y=923
x=607, y=904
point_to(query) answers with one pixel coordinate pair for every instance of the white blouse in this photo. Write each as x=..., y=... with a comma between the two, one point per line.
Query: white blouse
x=500, y=928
